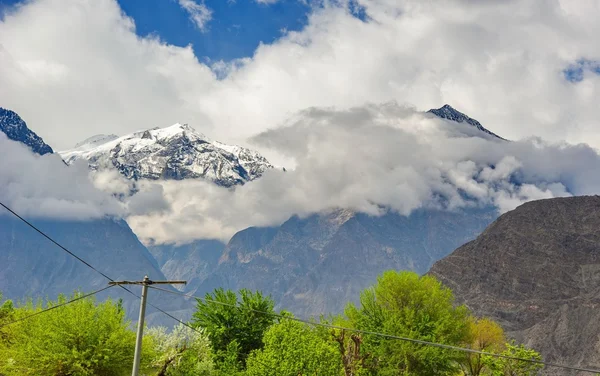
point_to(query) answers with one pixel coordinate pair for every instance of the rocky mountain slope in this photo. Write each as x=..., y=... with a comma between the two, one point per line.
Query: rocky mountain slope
x=536, y=270
x=315, y=265
x=176, y=152
x=31, y=266
x=449, y=113
x=16, y=129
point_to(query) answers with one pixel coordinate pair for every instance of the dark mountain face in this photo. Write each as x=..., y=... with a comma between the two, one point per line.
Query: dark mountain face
x=31, y=266
x=317, y=264
x=537, y=271
x=16, y=129
x=449, y=113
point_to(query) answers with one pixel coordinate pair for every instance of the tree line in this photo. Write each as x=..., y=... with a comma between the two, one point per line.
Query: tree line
x=230, y=334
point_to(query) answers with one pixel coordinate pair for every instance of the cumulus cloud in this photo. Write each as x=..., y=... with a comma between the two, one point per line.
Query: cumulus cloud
x=81, y=69
x=42, y=186
x=199, y=13
x=372, y=159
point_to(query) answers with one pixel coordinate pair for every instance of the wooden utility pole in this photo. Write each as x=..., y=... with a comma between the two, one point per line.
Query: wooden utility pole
x=140, y=329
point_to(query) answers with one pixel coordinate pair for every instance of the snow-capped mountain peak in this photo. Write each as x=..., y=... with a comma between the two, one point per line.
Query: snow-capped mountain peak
x=174, y=152
x=449, y=113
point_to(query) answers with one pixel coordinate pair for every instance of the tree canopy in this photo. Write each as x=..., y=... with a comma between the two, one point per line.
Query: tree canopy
x=293, y=348
x=233, y=320
x=81, y=338
x=406, y=305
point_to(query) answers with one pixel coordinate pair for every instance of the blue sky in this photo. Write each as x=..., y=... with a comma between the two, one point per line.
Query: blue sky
x=235, y=29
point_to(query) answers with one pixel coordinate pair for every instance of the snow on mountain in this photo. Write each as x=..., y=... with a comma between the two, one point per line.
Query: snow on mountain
x=449, y=113
x=94, y=141
x=16, y=129
x=176, y=152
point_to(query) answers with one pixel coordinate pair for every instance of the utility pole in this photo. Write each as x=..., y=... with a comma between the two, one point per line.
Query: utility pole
x=140, y=329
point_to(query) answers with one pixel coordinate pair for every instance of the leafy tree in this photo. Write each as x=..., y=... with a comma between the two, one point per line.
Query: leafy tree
x=512, y=367
x=230, y=320
x=81, y=338
x=484, y=335
x=404, y=304
x=293, y=348
x=181, y=352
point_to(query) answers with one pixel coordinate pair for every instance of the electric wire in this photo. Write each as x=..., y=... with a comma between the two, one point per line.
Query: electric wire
x=389, y=336
x=79, y=258
x=54, y=241
x=55, y=307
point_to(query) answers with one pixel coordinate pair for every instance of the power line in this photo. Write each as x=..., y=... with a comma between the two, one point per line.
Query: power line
x=54, y=241
x=56, y=306
x=389, y=336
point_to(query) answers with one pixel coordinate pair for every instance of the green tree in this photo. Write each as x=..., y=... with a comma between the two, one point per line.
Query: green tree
x=512, y=367
x=181, y=352
x=406, y=305
x=293, y=348
x=234, y=321
x=80, y=338
x=7, y=312
x=484, y=335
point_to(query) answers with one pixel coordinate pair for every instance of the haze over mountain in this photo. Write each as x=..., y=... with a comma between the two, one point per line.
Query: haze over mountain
x=535, y=270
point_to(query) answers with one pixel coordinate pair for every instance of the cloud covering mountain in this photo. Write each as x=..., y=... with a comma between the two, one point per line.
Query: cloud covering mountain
x=371, y=159
x=44, y=187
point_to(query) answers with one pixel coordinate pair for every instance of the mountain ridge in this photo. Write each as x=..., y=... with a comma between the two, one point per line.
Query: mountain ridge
x=450, y=113
x=174, y=153
x=16, y=129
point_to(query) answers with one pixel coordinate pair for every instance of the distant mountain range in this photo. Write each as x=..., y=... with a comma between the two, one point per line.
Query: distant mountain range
x=317, y=264
x=310, y=265
x=536, y=270
x=176, y=152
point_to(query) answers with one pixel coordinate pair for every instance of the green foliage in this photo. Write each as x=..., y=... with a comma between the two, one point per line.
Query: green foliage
x=81, y=338
x=404, y=304
x=293, y=348
x=7, y=312
x=181, y=352
x=511, y=367
x=236, y=322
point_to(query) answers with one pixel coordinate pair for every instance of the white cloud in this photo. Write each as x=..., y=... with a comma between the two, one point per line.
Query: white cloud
x=368, y=159
x=199, y=13
x=42, y=186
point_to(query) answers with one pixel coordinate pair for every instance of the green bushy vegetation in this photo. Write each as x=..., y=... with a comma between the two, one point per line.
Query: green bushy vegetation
x=228, y=335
